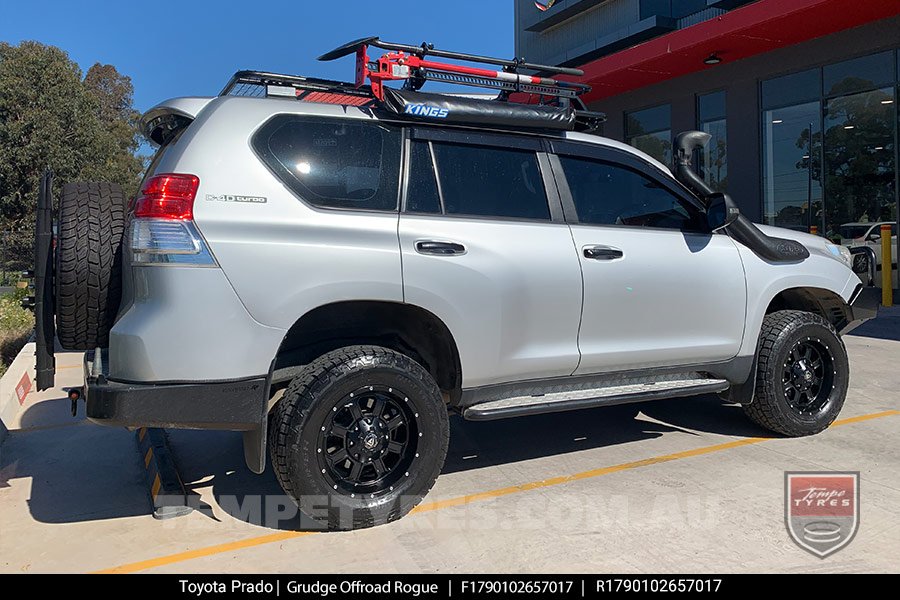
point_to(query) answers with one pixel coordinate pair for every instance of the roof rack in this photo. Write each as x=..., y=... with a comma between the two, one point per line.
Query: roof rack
x=410, y=63
x=523, y=101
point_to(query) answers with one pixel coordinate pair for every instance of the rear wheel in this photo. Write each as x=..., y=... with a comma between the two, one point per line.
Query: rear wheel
x=802, y=374
x=359, y=437
x=88, y=263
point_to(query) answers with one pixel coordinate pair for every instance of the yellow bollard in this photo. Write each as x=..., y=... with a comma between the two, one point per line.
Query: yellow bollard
x=887, y=272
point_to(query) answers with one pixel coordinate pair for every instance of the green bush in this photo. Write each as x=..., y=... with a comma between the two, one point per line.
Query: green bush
x=12, y=315
x=16, y=324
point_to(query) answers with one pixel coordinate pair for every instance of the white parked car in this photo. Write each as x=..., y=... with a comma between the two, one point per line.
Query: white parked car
x=856, y=235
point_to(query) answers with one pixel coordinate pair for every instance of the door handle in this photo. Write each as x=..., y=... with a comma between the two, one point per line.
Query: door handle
x=602, y=253
x=439, y=248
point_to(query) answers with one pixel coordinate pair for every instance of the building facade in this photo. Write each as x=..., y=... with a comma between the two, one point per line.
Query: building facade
x=800, y=96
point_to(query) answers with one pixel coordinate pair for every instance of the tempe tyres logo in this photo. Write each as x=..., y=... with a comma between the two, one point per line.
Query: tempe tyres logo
x=542, y=6
x=821, y=510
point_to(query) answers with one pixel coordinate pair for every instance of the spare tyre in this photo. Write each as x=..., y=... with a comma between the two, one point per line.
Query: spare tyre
x=88, y=263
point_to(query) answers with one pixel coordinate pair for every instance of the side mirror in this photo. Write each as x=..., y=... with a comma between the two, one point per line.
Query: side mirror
x=721, y=211
x=875, y=237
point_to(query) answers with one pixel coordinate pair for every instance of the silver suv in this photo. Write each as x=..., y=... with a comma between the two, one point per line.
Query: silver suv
x=332, y=273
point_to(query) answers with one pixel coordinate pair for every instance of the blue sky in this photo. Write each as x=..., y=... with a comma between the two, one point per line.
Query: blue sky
x=191, y=47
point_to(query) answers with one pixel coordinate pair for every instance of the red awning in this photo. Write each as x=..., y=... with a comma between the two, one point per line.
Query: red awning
x=747, y=31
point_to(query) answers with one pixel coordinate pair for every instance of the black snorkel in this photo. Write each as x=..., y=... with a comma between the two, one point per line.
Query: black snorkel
x=739, y=227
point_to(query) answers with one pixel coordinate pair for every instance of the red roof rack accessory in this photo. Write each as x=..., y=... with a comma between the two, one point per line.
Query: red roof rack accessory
x=413, y=65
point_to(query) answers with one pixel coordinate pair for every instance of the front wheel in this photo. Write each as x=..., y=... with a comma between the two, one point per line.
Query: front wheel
x=802, y=374
x=359, y=437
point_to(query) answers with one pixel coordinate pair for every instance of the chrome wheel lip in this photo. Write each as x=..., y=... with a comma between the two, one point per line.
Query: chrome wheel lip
x=808, y=376
x=368, y=441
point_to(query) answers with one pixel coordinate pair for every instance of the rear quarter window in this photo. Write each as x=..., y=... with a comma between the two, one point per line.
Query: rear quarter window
x=333, y=163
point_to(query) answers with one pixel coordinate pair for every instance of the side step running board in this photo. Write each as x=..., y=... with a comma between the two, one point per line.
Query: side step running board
x=518, y=406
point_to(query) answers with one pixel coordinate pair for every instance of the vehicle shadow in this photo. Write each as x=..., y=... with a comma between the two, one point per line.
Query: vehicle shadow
x=886, y=326
x=210, y=459
x=49, y=413
x=705, y=414
x=76, y=471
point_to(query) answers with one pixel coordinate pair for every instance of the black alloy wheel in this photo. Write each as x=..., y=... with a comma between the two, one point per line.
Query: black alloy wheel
x=369, y=440
x=808, y=376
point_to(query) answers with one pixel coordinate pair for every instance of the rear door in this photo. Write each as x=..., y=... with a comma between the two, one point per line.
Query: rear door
x=659, y=288
x=485, y=247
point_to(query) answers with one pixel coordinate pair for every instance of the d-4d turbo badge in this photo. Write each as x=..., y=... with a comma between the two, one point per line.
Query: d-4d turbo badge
x=233, y=198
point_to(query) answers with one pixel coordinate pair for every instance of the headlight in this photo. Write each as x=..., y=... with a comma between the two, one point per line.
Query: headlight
x=842, y=253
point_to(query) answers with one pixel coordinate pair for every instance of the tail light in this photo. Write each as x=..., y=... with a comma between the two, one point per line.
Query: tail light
x=167, y=196
x=162, y=228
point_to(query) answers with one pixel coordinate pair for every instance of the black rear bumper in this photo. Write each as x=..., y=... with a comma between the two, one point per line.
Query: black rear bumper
x=863, y=306
x=234, y=406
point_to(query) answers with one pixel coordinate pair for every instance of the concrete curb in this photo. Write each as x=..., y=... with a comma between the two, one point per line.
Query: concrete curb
x=15, y=385
x=167, y=495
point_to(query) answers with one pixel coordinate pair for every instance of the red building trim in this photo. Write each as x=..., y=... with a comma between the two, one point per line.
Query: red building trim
x=756, y=28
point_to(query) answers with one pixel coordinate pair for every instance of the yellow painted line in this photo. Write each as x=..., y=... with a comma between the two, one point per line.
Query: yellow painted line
x=655, y=460
x=209, y=550
x=148, y=457
x=162, y=561
x=141, y=433
x=861, y=418
x=156, y=485
x=554, y=481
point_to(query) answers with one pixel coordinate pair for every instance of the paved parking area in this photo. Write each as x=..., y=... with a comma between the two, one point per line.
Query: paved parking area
x=674, y=485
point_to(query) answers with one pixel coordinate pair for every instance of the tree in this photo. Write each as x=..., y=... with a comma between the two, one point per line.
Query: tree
x=118, y=137
x=858, y=146
x=50, y=117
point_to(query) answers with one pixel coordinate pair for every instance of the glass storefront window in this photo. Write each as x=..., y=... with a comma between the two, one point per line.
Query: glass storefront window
x=792, y=141
x=714, y=158
x=859, y=161
x=650, y=130
x=858, y=74
x=829, y=149
x=792, y=89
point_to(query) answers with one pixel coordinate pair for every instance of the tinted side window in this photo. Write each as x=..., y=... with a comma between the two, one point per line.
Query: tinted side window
x=333, y=163
x=608, y=194
x=421, y=191
x=492, y=182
